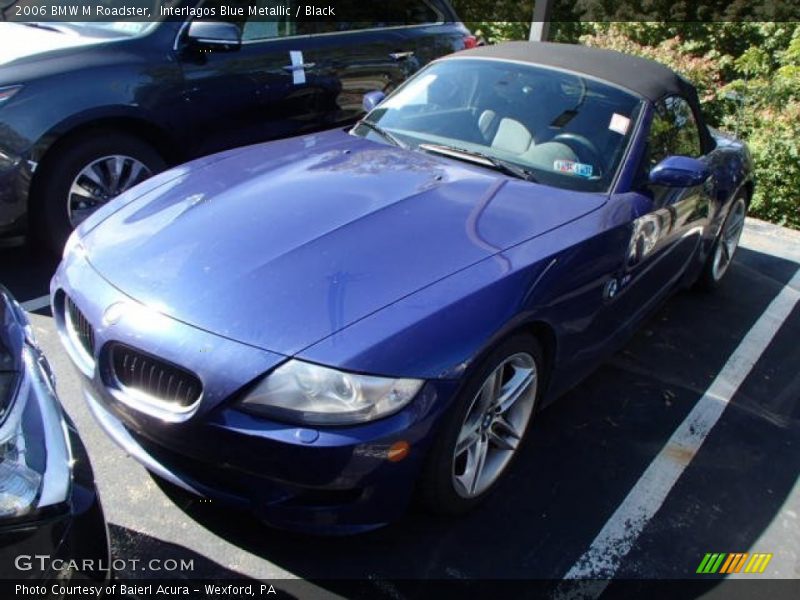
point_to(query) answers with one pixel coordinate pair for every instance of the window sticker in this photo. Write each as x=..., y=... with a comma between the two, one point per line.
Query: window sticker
x=619, y=123
x=575, y=168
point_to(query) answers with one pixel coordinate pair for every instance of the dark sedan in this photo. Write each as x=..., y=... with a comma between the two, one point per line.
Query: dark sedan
x=51, y=521
x=89, y=109
x=315, y=328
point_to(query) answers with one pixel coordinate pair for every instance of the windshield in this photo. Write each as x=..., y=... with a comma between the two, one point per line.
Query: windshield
x=566, y=130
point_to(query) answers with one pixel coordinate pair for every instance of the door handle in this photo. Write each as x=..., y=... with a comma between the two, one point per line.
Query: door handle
x=292, y=68
x=401, y=55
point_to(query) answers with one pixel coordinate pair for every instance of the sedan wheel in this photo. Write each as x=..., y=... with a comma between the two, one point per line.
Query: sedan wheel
x=485, y=428
x=79, y=175
x=100, y=181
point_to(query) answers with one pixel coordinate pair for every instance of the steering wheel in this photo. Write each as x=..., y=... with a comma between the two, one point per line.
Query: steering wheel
x=587, y=152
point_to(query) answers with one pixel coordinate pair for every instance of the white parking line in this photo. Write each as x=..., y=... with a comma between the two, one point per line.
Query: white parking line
x=602, y=560
x=35, y=304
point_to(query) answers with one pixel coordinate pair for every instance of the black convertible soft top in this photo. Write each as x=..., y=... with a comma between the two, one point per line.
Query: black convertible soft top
x=645, y=77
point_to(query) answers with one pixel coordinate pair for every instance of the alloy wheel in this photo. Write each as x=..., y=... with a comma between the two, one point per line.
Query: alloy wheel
x=494, y=425
x=729, y=239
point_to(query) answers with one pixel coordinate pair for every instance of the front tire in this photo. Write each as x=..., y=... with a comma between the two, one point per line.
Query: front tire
x=82, y=174
x=485, y=428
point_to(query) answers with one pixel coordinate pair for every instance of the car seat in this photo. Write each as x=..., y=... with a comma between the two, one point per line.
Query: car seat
x=511, y=137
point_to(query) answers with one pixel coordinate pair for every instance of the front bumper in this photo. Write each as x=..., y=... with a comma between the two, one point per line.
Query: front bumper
x=339, y=483
x=321, y=480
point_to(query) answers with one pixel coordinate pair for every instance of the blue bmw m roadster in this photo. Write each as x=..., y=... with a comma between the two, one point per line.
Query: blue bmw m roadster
x=318, y=328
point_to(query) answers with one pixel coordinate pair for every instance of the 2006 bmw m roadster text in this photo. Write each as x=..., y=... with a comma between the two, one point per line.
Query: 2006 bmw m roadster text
x=315, y=328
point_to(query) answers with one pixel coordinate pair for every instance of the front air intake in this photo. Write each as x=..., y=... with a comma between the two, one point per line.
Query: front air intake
x=150, y=378
x=80, y=330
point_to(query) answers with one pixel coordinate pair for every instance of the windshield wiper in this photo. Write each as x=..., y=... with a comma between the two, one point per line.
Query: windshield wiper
x=384, y=134
x=498, y=164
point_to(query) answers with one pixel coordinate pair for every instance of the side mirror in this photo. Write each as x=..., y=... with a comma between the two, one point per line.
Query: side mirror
x=372, y=99
x=220, y=35
x=679, y=171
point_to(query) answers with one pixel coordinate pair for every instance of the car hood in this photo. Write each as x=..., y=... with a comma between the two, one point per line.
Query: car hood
x=286, y=243
x=20, y=41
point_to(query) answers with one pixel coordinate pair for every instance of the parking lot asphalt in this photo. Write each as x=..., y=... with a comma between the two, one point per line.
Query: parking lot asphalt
x=739, y=493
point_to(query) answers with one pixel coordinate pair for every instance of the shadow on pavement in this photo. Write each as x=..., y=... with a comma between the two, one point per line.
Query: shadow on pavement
x=25, y=272
x=146, y=557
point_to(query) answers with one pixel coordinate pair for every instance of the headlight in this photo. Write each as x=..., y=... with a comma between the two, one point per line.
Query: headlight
x=19, y=484
x=35, y=459
x=310, y=394
x=7, y=92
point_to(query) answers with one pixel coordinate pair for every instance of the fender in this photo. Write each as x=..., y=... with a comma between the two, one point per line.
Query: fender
x=120, y=116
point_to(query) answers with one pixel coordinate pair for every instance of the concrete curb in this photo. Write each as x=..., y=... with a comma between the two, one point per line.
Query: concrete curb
x=774, y=239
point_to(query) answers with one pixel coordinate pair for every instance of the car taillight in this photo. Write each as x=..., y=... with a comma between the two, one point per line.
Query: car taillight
x=470, y=41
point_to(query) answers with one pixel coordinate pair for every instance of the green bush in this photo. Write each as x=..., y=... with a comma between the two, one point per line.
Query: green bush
x=768, y=116
x=775, y=143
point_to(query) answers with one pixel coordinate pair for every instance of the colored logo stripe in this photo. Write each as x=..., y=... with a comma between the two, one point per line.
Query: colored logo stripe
x=733, y=562
x=758, y=563
x=710, y=563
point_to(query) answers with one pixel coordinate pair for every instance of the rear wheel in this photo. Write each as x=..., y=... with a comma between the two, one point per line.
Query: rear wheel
x=485, y=429
x=80, y=176
x=725, y=246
